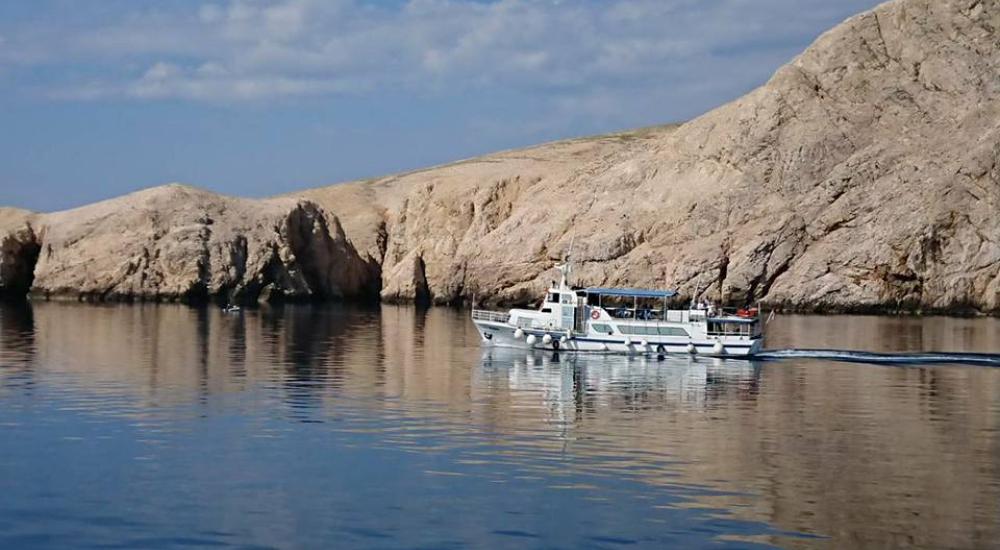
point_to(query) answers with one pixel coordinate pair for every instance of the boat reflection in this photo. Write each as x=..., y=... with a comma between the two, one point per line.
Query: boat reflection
x=575, y=386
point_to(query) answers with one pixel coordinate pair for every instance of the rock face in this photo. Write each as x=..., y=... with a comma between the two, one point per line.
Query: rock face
x=863, y=176
x=180, y=243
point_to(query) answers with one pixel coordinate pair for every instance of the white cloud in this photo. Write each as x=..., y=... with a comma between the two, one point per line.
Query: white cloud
x=255, y=49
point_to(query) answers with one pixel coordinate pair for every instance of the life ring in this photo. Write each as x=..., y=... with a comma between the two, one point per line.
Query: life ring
x=595, y=315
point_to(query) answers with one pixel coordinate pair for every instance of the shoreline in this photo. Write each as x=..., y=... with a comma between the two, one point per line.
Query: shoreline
x=466, y=305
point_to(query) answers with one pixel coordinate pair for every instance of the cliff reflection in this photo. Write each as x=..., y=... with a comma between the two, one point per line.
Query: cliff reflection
x=867, y=456
x=17, y=346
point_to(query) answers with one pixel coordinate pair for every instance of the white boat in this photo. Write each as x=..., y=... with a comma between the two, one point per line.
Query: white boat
x=632, y=321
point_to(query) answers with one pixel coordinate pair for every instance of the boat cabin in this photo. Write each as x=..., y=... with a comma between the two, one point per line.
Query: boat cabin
x=630, y=311
x=630, y=303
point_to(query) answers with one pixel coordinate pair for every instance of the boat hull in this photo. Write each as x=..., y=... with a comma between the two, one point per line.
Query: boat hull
x=504, y=335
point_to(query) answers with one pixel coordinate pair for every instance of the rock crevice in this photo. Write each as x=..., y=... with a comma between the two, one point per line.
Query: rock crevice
x=19, y=250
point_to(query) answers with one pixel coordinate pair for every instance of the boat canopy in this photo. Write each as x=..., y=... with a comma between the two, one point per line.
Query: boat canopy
x=632, y=292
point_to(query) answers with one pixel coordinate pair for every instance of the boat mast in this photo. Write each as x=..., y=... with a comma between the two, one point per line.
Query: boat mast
x=566, y=268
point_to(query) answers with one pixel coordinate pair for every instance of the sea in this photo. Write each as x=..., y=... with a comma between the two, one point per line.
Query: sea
x=168, y=426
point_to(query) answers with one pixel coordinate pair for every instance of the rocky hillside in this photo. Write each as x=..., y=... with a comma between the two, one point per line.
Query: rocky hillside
x=179, y=243
x=862, y=176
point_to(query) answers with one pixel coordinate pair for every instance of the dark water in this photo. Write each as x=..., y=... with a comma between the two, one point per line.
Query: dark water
x=307, y=427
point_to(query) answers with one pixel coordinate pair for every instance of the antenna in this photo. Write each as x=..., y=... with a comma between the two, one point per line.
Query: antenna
x=566, y=268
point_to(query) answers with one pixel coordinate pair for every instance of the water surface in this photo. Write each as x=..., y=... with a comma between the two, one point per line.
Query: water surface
x=303, y=427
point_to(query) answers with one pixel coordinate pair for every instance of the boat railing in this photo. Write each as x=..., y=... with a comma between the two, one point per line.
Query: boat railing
x=677, y=316
x=490, y=316
x=742, y=312
x=658, y=316
x=650, y=315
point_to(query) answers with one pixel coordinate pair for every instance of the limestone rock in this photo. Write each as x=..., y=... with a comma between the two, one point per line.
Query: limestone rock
x=180, y=243
x=863, y=175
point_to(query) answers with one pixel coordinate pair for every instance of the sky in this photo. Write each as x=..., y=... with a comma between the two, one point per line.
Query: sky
x=261, y=97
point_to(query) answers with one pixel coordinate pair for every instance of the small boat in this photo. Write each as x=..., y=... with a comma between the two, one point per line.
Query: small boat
x=630, y=321
x=231, y=309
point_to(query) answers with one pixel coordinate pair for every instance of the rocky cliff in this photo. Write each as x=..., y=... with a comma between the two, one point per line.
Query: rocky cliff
x=862, y=176
x=180, y=243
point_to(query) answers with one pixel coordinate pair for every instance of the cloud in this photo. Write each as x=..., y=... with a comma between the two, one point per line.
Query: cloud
x=252, y=50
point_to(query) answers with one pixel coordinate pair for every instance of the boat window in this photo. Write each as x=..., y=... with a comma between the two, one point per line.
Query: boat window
x=639, y=330
x=602, y=328
x=673, y=331
x=553, y=298
x=568, y=299
x=546, y=310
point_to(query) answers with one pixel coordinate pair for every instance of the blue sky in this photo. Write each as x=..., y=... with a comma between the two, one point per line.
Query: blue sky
x=254, y=97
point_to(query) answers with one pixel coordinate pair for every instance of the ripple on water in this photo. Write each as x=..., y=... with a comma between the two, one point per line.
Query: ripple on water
x=287, y=428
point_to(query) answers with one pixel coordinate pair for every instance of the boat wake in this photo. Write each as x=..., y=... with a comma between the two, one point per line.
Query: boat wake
x=980, y=359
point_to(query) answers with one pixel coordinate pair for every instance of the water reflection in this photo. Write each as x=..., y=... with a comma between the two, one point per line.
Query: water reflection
x=685, y=450
x=17, y=346
x=577, y=389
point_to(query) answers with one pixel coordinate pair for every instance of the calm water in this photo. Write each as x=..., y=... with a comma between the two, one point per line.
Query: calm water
x=164, y=426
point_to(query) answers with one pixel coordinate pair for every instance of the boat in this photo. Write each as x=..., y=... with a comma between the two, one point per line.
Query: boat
x=624, y=321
